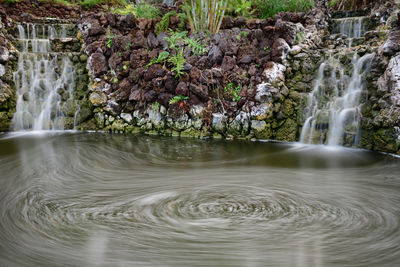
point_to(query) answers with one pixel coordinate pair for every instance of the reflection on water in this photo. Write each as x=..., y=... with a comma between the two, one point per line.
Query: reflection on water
x=90, y=199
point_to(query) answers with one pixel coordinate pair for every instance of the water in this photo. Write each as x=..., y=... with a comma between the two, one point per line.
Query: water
x=86, y=199
x=45, y=81
x=332, y=115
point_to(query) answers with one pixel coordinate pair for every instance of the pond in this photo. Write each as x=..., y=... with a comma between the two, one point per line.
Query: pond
x=94, y=199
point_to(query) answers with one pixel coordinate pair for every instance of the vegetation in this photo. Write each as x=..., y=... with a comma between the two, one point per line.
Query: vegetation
x=234, y=91
x=175, y=57
x=141, y=10
x=163, y=25
x=92, y=3
x=109, y=40
x=268, y=8
x=177, y=99
x=348, y=4
x=205, y=15
x=241, y=8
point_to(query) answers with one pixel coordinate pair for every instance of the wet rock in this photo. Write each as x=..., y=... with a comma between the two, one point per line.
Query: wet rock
x=97, y=64
x=280, y=49
x=261, y=130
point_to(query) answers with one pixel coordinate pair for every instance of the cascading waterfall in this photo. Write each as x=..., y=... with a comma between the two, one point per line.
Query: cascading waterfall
x=45, y=80
x=332, y=115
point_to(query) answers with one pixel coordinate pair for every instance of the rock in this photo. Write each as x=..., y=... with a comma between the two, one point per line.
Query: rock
x=195, y=74
x=247, y=59
x=392, y=45
x=274, y=73
x=228, y=63
x=152, y=41
x=114, y=61
x=261, y=130
x=136, y=95
x=286, y=30
x=280, y=49
x=113, y=107
x=95, y=30
x=219, y=122
x=200, y=91
x=83, y=58
x=97, y=64
x=196, y=111
x=4, y=55
x=2, y=70
x=164, y=99
x=127, y=117
x=170, y=84
x=154, y=71
x=98, y=98
x=150, y=96
x=215, y=55
x=182, y=89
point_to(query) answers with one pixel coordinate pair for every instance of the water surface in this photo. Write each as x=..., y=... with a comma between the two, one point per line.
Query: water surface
x=92, y=199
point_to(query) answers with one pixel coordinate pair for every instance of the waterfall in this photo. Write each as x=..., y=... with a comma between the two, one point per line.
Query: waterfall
x=45, y=80
x=332, y=115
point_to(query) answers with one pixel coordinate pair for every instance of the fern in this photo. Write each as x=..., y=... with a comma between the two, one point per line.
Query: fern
x=195, y=46
x=161, y=58
x=174, y=38
x=163, y=25
x=178, y=61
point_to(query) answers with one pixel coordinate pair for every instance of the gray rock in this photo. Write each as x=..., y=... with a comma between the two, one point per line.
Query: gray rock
x=219, y=122
x=127, y=117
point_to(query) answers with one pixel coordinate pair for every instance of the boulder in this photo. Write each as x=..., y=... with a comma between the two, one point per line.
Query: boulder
x=97, y=64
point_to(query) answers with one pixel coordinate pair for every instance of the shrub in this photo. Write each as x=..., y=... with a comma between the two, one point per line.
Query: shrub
x=205, y=15
x=268, y=8
x=240, y=8
x=163, y=24
x=141, y=10
x=92, y=3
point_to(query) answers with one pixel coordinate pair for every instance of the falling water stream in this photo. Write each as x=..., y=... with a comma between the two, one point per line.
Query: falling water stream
x=45, y=80
x=333, y=107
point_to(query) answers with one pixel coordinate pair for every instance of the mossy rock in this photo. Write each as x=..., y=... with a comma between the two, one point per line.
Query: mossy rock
x=5, y=121
x=261, y=130
x=287, y=132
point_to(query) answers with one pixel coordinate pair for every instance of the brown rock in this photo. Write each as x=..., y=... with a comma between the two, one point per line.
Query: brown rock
x=155, y=70
x=195, y=73
x=200, y=91
x=98, y=64
x=164, y=98
x=182, y=89
x=150, y=96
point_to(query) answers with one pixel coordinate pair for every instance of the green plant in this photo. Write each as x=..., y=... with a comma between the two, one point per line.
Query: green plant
x=120, y=54
x=128, y=46
x=347, y=4
x=125, y=67
x=162, y=57
x=268, y=8
x=177, y=61
x=163, y=24
x=267, y=48
x=87, y=4
x=141, y=10
x=177, y=99
x=299, y=37
x=240, y=8
x=195, y=46
x=234, y=91
x=115, y=80
x=156, y=106
x=205, y=15
x=11, y=1
x=174, y=38
x=109, y=40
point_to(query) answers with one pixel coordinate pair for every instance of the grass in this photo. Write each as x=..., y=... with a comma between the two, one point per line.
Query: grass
x=268, y=8
x=349, y=4
x=141, y=10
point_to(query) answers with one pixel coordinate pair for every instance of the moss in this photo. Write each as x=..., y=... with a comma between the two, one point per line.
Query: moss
x=5, y=121
x=191, y=133
x=288, y=131
x=261, y=130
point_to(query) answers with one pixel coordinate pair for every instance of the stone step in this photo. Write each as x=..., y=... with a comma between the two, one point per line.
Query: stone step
x=53, y=44
x=43, y=31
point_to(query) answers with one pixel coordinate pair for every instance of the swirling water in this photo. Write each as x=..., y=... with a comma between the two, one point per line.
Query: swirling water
x=92, y=199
